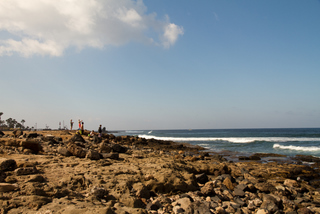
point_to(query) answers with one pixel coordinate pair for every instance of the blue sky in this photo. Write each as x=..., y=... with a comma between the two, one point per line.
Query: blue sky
x=161, y=64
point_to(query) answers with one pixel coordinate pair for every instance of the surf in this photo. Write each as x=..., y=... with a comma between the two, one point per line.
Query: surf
x=232, y=139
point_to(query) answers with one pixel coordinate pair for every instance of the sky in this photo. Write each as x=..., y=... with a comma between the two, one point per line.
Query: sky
x=146, y=65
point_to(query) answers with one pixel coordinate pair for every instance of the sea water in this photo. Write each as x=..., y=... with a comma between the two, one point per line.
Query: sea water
x=288, y=142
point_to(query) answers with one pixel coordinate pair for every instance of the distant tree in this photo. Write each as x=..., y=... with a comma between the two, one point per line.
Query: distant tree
x=22, y=122
x=11, y=123
x=1, y=113
x=18, y=125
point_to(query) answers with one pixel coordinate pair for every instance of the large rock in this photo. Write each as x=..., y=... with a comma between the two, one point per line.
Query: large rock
x=208, y=188
x=7, y=164
x=93, y=155
x=141, y=190
x=63, y=151
x=33, y=145
x=202, y=178
x=76, y=138
x=76, y=150
x=1, y=134
x=104, y=148
x=118, y=148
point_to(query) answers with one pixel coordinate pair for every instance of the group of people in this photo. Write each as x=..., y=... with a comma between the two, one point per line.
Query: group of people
x=81, y=128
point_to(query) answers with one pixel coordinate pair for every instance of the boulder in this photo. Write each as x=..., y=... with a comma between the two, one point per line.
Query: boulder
x=76, y=150
x=141, y=190
x=104, y=148
x=208, y=189
x=1, y=133
x=98, y=192
x=33, y=145
x=96, y=139
x=93, y=155
x=265, y=187
x=202, y=178
x=118, y=148
x=227, y=182
x=63, y=151
x=7, y=164
x=183, y=203
x=76, y=138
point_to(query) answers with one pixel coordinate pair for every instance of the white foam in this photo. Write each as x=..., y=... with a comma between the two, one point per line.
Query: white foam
x=231, y=139
x=297, y=148
x=129, y=131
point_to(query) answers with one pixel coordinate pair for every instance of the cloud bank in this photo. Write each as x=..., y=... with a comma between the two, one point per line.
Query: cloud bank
x=49, y=27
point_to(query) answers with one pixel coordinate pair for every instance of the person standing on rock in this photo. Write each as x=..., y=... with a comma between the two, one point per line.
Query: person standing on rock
x=82, y=128
x=79, y=121
x=100, y=131
x=71, y=124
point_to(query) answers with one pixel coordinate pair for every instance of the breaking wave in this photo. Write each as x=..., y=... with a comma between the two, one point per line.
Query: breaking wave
x=231, y=139
x=297, y=148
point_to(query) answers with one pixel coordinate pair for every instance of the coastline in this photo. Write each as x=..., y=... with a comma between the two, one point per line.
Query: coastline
x=60, y=172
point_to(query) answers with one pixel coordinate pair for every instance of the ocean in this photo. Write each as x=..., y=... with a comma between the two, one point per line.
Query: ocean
x=290, y=142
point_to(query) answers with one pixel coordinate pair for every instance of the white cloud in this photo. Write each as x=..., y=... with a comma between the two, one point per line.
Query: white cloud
x=49, y=27
x=171, y=34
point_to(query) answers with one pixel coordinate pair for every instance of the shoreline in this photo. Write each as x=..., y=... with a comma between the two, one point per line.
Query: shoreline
x=60, y=172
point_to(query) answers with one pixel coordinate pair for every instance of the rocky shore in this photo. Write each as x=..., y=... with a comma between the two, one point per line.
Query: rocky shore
x=62, y=172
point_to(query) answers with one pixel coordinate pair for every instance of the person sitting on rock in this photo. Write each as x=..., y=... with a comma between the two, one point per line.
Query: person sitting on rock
x=91, y=134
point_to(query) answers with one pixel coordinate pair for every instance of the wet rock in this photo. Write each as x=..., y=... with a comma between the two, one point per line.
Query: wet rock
x=7, y=164
x=253, y=157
